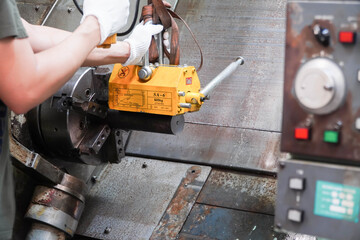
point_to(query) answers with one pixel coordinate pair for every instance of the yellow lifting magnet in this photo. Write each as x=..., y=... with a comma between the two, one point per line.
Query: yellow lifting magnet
x=170, y=90
x=163, y=90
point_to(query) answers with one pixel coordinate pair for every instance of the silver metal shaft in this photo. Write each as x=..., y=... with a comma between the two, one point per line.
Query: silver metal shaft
x=50, y=12
x=222, y=76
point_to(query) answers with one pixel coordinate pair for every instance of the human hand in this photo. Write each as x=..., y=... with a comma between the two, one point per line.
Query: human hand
x=112, y=15
x=140, y=40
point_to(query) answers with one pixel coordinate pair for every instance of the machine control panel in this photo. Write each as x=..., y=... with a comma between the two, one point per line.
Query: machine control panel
x=321, y=116
x=318, y=199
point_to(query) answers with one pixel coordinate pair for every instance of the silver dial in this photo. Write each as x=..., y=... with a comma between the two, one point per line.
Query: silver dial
x=320, y=86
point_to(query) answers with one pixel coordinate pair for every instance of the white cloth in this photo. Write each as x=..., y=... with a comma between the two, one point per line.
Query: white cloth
x=112, y=15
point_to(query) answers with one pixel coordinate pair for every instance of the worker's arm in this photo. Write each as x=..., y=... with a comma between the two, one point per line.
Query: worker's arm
x=42, y=38
x=27, y=78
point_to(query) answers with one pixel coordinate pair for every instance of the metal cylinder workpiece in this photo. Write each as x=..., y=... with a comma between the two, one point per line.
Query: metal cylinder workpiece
x=56, y=209
x=146, y=122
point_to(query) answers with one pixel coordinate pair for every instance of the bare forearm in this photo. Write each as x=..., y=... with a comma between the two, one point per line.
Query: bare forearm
x=66, y=57
x=28, y=81
x=42, y=38
x=118, y=53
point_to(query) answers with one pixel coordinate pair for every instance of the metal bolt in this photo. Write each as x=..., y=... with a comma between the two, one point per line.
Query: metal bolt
x=37, y=7
x=282, y=164
x=82, y=125
x=94, y=179
x=107, y=230
x=338, y=125
x=181, y=94
x=185, y=105
x=69, y=9
x=308, y=122
x=87, y=92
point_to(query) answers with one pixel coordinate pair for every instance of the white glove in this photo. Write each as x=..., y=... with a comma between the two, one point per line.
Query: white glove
x=112, y=15
x=140, y=40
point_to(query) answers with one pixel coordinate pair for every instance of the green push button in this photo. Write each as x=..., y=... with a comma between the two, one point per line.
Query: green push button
x=331, y=136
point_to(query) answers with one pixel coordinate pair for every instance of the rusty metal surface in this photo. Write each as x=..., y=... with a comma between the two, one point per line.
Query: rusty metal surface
x=213, y=223
x=180, y=206
x=34, y=11
x=51, y=197
x=239, y=126
x=45, y=232
x=34, y=164
x=211, y=145
x=130, y=198
x=241, y=191
x=209, y=222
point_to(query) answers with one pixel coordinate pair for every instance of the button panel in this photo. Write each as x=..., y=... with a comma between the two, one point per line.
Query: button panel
x=347, y=37
x=322, y=82
x=295, y=215
x=331, y=136
x=302, y=133
x=297, y=184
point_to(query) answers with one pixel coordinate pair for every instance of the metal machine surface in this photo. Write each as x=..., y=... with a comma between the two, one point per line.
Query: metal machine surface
x=86, y=121
x=318, y=199
x=318, y=187
x=238, y=131
x=78, y=116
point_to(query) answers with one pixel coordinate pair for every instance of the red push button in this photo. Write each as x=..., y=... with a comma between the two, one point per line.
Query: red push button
x=302, y=133
x=347, y=37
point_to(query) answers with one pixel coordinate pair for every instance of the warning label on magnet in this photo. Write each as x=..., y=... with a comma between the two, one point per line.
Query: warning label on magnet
x=142, y=100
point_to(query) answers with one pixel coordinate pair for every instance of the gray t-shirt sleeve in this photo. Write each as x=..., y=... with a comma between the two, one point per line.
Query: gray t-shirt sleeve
x=10, y=22
x=10, y=26
x=7, y=198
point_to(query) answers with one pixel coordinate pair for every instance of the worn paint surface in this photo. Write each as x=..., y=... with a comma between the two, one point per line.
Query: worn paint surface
x=132, y=197
x=211, y=222
x=34, y=11
x=180, y=206
x=211, y=145
x=240, y=191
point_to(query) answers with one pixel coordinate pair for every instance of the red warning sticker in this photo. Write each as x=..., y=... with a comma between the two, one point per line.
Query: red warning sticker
x=123, y=72
x=189, y=81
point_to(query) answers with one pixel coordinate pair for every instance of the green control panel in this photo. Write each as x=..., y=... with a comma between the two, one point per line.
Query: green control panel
x=338, y=201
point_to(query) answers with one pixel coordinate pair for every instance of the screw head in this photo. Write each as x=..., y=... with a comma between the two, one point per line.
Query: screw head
x=94, y=179
x=107, y=230
x=282, y=164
